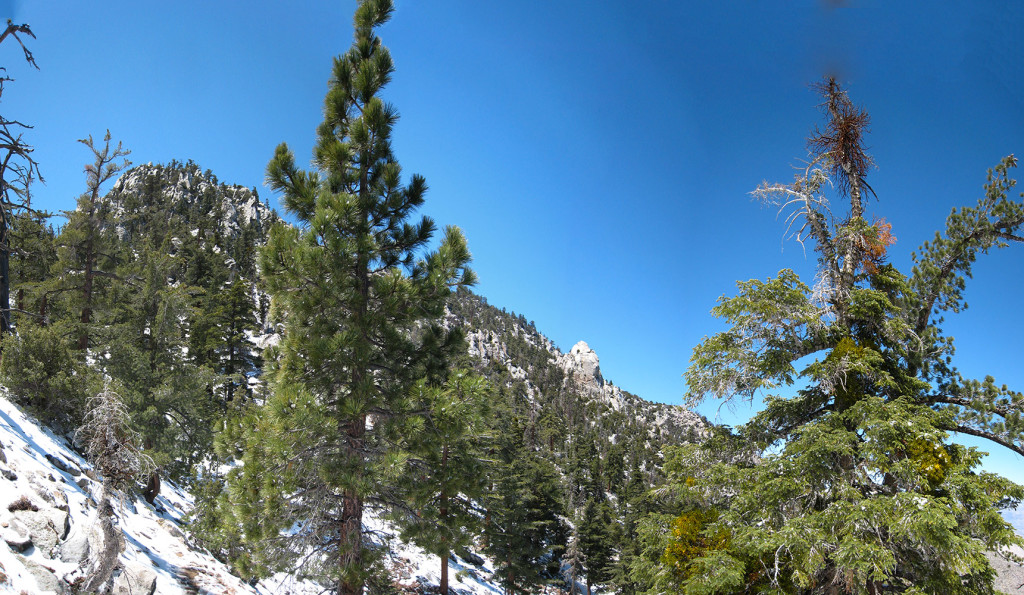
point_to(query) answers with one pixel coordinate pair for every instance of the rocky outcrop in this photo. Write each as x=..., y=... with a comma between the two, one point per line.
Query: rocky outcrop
x=1009, y=573
x=46, y=528
x=582, y=366
x=184, y=185
x=135, y=579
x=505, y=341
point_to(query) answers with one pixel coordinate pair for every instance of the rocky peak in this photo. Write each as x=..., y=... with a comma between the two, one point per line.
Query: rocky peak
x=191, y=190
x=583, y=366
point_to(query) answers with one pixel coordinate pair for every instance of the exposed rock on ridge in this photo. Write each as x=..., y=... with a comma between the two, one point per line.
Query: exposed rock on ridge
x=491, y=335
x=237, y=207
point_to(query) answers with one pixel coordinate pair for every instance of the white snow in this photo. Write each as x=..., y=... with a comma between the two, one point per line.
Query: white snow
x=153, y=535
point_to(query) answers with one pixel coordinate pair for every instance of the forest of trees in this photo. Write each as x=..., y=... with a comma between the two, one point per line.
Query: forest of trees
x=302, y=375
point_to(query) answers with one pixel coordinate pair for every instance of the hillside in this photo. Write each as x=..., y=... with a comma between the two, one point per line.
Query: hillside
x=572, y=468
x=48, y=520
x=513, y=353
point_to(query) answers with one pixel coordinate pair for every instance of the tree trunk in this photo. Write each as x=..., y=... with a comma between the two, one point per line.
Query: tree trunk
x=351, y=535
x=443, y=587
x=443, y=514
x=5, y=276
x=83, y=339
x=106, y=557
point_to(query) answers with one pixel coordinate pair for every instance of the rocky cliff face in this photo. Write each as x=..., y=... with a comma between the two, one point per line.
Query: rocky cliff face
x=191, y=192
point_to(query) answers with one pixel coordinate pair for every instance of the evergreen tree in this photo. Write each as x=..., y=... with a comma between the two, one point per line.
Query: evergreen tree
x=31, y=264
x=352, y=292
x=524, y=532
x=42, y=373
x=169, y=397
x=851, y=484
x=219, y=336
x=448, y=471
x=573, y=561
x=87, y=252
x=597, y=541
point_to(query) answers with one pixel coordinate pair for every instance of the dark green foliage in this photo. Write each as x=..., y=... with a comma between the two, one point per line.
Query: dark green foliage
x=596, y=449
x=598, y=537
x=851, y=483
x=352, y=283
x=524, y=533
x=40, y=371
x=448, y=472
x=220, y=339
x=30, y=266
x=170, y=398
x=87, y=256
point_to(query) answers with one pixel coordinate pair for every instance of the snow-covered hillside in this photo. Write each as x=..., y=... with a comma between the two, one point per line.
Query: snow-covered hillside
x=48, y=547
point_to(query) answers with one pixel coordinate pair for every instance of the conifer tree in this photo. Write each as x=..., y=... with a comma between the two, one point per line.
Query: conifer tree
x=851, y=483
x=355, y=292
x=87, y=243
x=31, y=264
x=219, y=336
x=597, y=541
x=168, y=396
x=524, y=532
x=448, y=470
x=573, y=561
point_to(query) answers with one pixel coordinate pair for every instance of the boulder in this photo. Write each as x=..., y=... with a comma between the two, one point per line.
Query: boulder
x=17, y=537
x=135, y=579
x=75, y=550
x=63, y=465
x=46, y=580
x=46, y=527
x=1009, y=573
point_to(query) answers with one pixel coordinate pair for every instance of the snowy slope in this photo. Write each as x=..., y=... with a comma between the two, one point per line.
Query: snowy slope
x=41, y=468
x=152, y=538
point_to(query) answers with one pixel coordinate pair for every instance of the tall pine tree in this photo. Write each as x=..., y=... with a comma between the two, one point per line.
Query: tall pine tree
x=87, y=242
x=355, y=294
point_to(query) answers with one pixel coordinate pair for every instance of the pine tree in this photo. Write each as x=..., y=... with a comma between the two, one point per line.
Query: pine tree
x=597, y=541
x=87, y=243
x=851, y=484
x=169, y=397
x=352, y=289
x=220, y=338
x=448, y=470
x=524, y=532
x=572, y=562
x=31, y=263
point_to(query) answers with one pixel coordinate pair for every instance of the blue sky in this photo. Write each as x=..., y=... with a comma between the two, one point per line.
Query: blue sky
x=599, y=156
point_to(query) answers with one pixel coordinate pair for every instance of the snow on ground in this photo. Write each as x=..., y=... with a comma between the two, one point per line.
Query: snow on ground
x=153, y=539
x=155, y=545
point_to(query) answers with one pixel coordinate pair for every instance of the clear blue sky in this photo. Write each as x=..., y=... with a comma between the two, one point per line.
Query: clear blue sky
x=598, y=155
